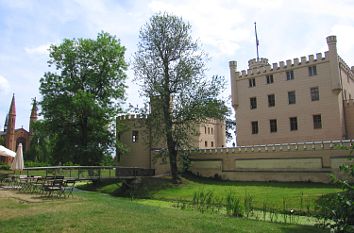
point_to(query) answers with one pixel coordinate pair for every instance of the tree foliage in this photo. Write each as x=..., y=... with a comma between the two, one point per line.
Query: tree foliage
x=337, y=210
x=81, y=97
x=171, y=68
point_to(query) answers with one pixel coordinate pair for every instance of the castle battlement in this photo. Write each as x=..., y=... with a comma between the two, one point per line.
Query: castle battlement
x=350, y=71
x=300, y=146
x=349, y=102
x=131, y=117
x=256, y=69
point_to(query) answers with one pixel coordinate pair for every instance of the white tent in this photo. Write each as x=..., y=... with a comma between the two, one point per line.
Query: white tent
x=17, y=163
x=6, y=152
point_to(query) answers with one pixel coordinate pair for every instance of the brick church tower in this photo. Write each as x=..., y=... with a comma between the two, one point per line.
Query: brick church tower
x=10, y=126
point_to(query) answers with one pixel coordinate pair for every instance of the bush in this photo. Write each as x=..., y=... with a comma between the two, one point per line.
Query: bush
x=29, y=163
x=4, y=166
x=337, y=210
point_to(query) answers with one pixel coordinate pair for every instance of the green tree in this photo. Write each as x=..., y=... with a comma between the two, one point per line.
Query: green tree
x=82, y=96
x=41, y=148
x=171, y=68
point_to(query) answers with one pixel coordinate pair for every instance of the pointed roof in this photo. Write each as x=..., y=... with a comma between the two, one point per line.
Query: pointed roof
x=12, y=110
x=34, y=114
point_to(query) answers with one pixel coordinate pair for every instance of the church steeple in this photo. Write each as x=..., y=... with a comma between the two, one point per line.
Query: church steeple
x=10, y=130
x=34, y=115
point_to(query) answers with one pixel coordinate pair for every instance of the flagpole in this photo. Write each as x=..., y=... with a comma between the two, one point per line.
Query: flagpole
x=257, y=41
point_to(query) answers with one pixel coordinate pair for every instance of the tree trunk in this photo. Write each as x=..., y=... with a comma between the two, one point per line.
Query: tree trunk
x=172, y=156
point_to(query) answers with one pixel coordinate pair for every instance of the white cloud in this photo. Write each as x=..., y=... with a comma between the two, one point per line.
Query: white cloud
x=345, y=35
x=4, y=85
x=39, y=50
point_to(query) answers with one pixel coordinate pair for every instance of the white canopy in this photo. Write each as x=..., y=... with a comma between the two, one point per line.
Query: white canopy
x=6, y=152
x=17, y=163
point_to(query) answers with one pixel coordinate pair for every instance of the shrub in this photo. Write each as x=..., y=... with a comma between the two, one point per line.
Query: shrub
x=337, y=210
x=4, y=166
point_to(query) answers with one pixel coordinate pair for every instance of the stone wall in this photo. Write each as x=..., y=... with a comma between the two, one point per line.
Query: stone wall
x=308, y=161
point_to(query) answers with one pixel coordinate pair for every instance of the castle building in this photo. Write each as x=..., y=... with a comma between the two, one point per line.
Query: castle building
x=12, y=137
x=143, y=151
x=306, y=99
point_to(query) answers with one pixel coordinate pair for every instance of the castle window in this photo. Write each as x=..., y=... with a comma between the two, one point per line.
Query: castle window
x=312, y=71
x=315, y=94
x=293, y=123
x=273, y=125
x=317, y=121
x=212, y=144
x=252, y=82
x=269, y=79
x=253, y=102
x=135, y=134
x=271, y=100
x=291, y=97
x=212, y=131
x=254, y=125
x=206, y=144
x=208, y=130
x=205, y=129
x=289, y=75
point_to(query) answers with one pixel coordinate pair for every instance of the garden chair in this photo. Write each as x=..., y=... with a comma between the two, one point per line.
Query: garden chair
x=69, y=188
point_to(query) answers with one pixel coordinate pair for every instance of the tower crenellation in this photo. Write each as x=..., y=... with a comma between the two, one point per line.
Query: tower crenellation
x=264, y=67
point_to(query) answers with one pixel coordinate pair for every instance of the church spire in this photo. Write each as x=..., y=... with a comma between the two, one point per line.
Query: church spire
x=12, y=110
x=10, y=131
x=34, y=114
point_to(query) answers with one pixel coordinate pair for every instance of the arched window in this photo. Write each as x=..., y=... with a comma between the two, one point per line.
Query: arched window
x=21, y=140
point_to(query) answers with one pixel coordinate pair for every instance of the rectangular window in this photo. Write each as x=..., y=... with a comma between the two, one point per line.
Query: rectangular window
x=289, y=75
x=291, y=97
x=293, y=123
x=212, y=131
x=252, y=82
x=135, y=134
x=269, y=79
x=253, y=102
x=317, y=121
x=206, y=144
x=312, y=71
x=271, y=100
x=273, y=125
x=208, y=130
x=212, y=144
x=315, y=94
x=254, y=125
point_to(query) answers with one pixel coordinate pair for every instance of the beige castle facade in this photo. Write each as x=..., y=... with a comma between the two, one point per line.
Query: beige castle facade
x=292, y=117
x=143, y=151
x=306, y=99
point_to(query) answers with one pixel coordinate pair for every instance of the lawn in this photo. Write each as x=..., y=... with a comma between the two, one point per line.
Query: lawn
x=98, y=212
x=295, y=195
x=298, y=196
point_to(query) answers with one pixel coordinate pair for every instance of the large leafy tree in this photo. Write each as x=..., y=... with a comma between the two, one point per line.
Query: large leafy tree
x=82, y=96
x=171, y=68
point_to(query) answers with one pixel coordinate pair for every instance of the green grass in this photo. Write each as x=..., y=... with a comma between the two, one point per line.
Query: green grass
x=97, y=212
x=298, y=196
x=271, y=193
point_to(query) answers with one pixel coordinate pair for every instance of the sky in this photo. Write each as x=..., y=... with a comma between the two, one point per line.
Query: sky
x=224, y=28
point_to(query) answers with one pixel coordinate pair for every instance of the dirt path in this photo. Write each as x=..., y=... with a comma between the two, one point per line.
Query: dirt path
x=8, y=193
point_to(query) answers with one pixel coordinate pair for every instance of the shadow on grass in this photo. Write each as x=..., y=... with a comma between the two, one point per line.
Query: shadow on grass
x=144, y=188
x=216, y=181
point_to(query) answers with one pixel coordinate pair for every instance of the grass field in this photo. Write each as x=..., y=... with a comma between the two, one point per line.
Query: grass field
x=98, y=212
x=298, y=196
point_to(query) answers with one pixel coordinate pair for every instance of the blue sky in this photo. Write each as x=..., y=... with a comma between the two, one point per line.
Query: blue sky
x=286, y=29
